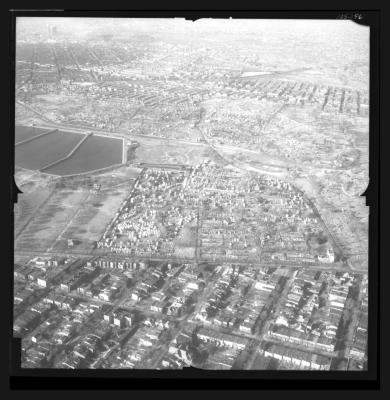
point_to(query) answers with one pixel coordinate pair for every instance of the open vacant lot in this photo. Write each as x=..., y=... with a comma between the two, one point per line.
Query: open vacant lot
x=28, y=204
x=50, y=221
x=95, y=213
x=160, y=151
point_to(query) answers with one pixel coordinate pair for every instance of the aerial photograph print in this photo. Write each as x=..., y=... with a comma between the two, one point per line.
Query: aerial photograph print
x=191, y=193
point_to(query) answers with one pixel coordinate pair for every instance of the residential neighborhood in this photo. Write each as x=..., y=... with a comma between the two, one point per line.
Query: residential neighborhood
x=191, y=194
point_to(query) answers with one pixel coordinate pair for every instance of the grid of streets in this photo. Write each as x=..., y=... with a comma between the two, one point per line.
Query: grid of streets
x=197, y=203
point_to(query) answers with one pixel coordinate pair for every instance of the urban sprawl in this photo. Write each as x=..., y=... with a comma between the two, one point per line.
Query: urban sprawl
x=225, y=230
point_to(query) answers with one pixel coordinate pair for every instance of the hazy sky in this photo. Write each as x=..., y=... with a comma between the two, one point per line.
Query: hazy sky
x=149, y=24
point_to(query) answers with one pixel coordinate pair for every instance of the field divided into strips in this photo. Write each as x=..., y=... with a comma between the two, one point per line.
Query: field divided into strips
x=49, y=222
x=93, y=217
x=28, y=204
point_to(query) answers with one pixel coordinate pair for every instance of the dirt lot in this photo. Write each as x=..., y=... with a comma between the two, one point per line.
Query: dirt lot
x=169, y=152
x=35, y=192
x=25, y=117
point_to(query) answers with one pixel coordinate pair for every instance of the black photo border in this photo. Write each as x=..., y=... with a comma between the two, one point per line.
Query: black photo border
x=192, y=378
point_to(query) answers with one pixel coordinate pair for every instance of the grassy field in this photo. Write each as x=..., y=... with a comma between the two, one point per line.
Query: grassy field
x=185, y=243
x=71, y=211
x=59, y=104
x=28, y=204
x=106, y=180
x=51, y=220
x=252, y=157
x=96, y=213
x=36, y=189
x=27, y=180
